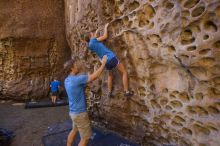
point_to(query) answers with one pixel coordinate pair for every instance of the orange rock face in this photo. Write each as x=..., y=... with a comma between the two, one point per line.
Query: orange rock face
x=171, y=50
x=32, y=47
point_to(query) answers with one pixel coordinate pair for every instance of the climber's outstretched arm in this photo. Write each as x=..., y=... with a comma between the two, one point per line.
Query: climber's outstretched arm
x=97, y=73
x=105, y=35
x=96, y=33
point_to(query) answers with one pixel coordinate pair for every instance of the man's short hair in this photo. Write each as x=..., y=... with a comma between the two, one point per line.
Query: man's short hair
x=86, y=36
x=68, y=65
x=55, y=78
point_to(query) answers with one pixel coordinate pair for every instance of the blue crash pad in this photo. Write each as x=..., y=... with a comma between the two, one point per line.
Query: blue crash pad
x=57, y=136
x=5, y=137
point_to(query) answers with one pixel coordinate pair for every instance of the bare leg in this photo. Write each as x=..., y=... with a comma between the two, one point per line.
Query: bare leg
x=52, y=99
x=110, y=78
x=55, y=98
x=71, y=136
x=83, y=142
x=124, y=73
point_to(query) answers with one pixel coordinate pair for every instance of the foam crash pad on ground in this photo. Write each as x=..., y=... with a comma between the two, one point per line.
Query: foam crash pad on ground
x=5, y=137
x=57, y=136
x=46, y=103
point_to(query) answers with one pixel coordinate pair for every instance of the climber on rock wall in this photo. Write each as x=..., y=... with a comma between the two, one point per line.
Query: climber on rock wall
x=95, y=45
x=75, y=87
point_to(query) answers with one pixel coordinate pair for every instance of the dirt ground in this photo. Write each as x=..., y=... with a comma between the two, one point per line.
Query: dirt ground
x=29, y=125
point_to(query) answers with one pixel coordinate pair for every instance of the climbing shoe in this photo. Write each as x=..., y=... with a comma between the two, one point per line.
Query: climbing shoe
x=128, y=93
x=110, y=94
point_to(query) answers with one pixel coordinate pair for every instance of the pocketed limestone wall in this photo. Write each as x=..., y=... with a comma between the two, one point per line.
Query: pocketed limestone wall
x=171, y=49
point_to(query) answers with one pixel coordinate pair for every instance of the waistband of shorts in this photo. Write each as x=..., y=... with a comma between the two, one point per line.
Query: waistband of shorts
x=76, y=114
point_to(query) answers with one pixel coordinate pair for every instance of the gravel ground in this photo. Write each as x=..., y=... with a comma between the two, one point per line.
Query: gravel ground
x=29, y=125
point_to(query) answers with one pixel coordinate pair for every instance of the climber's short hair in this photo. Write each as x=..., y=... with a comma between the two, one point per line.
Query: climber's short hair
x=86, y=36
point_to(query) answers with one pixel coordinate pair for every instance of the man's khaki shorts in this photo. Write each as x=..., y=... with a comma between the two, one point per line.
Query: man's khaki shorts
x=82, y=123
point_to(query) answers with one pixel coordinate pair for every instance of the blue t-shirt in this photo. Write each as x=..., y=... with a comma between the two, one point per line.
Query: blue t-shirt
x=55, y=86
x=75, y=88
x=100, y=49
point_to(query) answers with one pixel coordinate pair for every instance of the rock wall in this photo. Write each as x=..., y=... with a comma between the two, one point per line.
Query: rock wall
x=33, y=46
x=171, y=49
